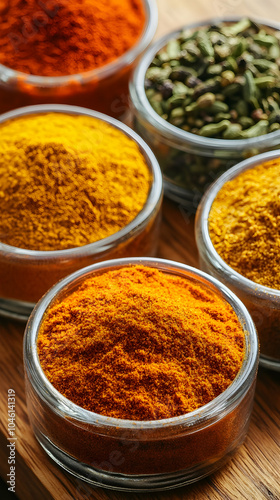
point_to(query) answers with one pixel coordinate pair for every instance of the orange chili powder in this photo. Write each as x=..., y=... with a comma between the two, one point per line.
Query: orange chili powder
x=136, y=343
x=64, y=37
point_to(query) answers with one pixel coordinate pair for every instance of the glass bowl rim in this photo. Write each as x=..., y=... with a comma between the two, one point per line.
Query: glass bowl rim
x=214, y=408
x=101, y=72
x=141, y=103
x=201, y=224
x=151, y=203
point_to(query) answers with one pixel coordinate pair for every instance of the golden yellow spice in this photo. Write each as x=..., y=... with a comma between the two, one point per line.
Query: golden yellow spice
x=136, y=343
x=244, y=224
x=66, y=181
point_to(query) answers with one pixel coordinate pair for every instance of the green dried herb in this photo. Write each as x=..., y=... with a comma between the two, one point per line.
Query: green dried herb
x=218, y=74
x=221, y=82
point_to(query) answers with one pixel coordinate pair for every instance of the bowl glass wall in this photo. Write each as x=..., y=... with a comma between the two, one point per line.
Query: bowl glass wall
x=189, y=162
x=25, y=275
x=104, y=89
x=262, y=302
x=139, y=455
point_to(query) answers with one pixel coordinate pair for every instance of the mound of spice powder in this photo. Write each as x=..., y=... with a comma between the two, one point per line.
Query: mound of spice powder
x=66, y=181
x=136, y=343
x=244, y=223
x=64, y=37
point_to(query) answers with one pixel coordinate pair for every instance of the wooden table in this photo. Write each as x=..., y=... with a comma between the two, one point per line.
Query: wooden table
x=254, y=472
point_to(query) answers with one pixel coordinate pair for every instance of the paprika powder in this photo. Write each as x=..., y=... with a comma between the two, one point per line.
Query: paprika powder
x=141, y=345
x=144, y=345
x=66, y=37
x=72, y=52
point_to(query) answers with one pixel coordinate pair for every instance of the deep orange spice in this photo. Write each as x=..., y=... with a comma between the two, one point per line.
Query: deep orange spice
x=136, y=343
x=64, y=37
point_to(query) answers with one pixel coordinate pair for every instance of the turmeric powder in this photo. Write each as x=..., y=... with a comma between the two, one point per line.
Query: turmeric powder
x=136, y=343
x=66, y=181
x=244, y=223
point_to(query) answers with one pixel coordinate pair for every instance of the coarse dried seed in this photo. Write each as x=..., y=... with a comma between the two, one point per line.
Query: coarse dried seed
x=173, y=49
x=272, y=104
x=265, y=81
x=180, y=73
x=246, y=122
x=213, y=129
x=174, y=102
x=206, y=100
x=204, y=44
x=258, y=115
x=238, y=27
x=259, y=128
x=275, y=126
x=166, y=89
x=222, y=51
x=239, y=48
x=211, y=85
x=274, y=51
x=157, y=74
x=265, y=40
x=233, y=114
x=231, y=64
x=157, y=107
x=232, y=89
x=192, y=49
x=180, y=89
x=249, y=89
x=218, y=107
x=233, y=131
x=193, y=81
x=221, y=116
x=225, y=76
x=265, y=65
x=242, y=108
x=274, y=117
x=214, y=69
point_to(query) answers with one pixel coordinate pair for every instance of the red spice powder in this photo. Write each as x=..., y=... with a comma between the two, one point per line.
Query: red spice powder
x=139, y=344
x=64, y=37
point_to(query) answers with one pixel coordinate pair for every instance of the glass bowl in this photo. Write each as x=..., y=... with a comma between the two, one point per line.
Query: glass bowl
x=139, y=455
x=104, y=89
x=262, y=302
x=25, y=275
x=189, y=162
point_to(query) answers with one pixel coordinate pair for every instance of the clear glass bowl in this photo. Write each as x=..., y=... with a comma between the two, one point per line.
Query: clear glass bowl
x=262, y=302
x=25, y=275
x=189, y=162
x=139, y=455
x=104, y=89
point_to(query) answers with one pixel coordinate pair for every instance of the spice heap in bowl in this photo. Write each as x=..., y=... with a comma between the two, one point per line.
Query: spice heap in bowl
x=201, y=97
x=77, y=52
x=237, y=231
x=140, y=373
x=75, y=187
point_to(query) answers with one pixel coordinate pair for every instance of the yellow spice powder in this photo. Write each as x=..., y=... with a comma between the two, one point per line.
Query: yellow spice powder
x=66, y=181
x=244, y=224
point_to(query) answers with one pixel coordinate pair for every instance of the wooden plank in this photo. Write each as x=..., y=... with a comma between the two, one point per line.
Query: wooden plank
x=176, y=13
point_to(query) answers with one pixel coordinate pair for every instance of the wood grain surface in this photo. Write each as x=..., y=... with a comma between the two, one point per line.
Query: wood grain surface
x=254, y=472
